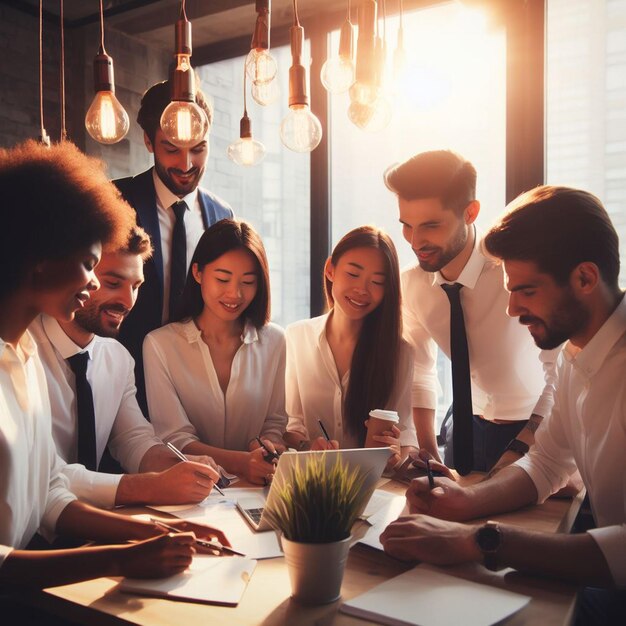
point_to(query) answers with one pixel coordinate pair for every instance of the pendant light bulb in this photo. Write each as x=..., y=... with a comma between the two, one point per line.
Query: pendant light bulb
x=265, y=93
x=371, y=117
x=106, y=121
x=183, y=122
x=246, y=150
x=338, y=72
x=261, y=66
x=300, y=130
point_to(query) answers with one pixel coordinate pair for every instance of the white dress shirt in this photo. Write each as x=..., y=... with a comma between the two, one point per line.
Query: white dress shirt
x=33, y=490
x=314, y=391
x=508, y=380
x=194, y=227
x=186, y=401
x=587, y=431
x=120, y=424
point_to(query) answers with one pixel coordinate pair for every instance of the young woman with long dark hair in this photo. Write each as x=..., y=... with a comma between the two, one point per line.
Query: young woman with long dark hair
x=353, y=359
x=215, y=377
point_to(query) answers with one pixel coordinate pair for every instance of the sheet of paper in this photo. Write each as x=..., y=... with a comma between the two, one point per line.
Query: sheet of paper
x=216, y=580
x=221, y=512
x=379, y=500
x=386, y=514
x=425, y=596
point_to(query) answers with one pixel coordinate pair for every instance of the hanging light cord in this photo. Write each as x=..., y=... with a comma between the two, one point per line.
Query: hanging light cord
x=63, y=129
x=102, y=50
x=384, y=21
x=349, y=10
x=42, y=129
x=183, y=12
x=245, y=108
x=295, y=13
x=401, y=12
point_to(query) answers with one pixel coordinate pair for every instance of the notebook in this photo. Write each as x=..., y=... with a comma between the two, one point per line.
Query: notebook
x=425, y=596
x=209, y=579
x=370, y=460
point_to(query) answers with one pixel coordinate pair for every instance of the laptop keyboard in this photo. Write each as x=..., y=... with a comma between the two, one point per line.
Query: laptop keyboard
x=255, y=514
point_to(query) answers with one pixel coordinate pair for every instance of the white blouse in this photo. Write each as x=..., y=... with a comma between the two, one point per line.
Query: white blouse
x=33, y=489
x=186, y=401
x=314, y=391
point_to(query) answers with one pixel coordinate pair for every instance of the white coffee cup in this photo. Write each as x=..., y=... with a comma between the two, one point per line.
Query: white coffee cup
x=380, y=420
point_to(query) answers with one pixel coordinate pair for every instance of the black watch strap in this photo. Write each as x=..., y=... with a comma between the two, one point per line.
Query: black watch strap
x=515, y=445
x=489, y=537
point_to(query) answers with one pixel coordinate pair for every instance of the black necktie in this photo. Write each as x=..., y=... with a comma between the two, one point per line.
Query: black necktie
x=86, y=416
x=462, y=412
x=178, y=272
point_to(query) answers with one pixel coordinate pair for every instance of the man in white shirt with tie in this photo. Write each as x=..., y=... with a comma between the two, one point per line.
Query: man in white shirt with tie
x=156, y=475
x=561, y=259
x=506, y=383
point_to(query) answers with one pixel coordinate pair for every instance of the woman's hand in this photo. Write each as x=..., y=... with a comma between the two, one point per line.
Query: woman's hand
x=391, y=439
x=323, y=444
x=258, y=470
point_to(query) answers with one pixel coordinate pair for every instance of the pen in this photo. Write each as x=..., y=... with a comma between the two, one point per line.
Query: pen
x=213, y=545
x=271, y=456
x=182, y=457
x=431, y=480
x=323, y=429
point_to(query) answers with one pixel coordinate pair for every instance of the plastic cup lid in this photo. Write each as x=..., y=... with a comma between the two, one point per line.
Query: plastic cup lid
x=382, y=414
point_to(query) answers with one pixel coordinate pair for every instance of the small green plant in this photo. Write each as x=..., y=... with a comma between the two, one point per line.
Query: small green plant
x=319, y=504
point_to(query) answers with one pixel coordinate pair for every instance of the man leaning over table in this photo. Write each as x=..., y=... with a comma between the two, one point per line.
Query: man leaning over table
x=504, y=381
x=156, y=476
x=560, y=254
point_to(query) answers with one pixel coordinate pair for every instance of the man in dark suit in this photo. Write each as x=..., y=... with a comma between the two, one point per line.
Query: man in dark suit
x=174, y=211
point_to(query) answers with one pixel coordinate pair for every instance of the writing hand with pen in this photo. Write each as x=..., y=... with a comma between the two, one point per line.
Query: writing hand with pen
x=264, y=455
x=324, y=442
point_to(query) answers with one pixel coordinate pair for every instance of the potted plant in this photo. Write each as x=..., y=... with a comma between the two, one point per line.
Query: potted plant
x=315, y=508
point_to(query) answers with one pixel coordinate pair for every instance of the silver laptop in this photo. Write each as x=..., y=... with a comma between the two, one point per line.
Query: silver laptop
x=370, y=460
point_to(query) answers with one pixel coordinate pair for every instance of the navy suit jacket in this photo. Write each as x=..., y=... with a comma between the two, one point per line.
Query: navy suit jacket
x=140, y=193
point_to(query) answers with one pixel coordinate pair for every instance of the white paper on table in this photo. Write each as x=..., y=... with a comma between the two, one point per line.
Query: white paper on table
x=221, y=512
x=379, y=500
x=426, y=596
x=216, y=580
x=388, y=513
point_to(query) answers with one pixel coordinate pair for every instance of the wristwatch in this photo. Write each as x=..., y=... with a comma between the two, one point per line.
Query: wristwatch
x=515, y=445
x=489, y=539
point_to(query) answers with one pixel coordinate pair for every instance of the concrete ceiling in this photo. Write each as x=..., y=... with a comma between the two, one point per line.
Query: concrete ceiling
x=153, y=20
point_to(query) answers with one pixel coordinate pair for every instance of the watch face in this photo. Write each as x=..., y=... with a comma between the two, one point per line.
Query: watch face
x=488, y=538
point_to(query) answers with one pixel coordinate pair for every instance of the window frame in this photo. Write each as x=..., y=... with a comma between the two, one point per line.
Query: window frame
x=524, y=22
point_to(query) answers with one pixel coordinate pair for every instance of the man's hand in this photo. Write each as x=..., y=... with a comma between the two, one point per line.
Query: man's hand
x=422, y=455
x=185, y=482
x=447, y=500
x=424, y=538
x=203, y=459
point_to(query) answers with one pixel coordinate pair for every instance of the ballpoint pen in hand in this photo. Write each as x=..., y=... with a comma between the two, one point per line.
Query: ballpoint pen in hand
x=212, y=545
x=182, y=457
x=431, y=480
x=270, y=456
x=323, y=429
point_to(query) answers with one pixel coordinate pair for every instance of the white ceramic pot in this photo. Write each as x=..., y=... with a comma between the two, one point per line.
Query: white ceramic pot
x=316, y=569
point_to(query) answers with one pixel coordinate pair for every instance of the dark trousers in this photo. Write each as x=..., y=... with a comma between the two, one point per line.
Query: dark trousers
x=490, y=441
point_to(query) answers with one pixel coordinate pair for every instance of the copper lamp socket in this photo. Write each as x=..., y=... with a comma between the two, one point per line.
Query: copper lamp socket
x=103, y=72
x=297, y=72
x=365, y=42
x=245, y=128
x=182, y=40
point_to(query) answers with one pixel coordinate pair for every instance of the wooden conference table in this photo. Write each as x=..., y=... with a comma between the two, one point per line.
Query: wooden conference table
x=267, y=600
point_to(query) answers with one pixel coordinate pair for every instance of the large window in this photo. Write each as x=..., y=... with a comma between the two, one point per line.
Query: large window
x=452, y=96
x=586, y=102
x=273, y=195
